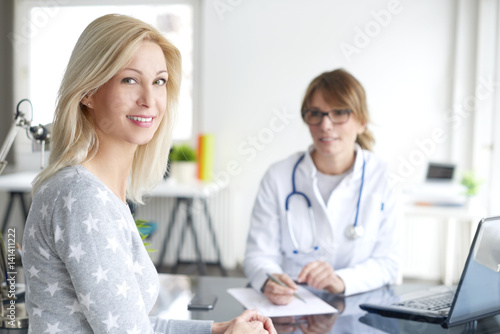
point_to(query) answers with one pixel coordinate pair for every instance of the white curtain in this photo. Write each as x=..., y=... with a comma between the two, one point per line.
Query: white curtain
x=494, y=191
x=474, y=118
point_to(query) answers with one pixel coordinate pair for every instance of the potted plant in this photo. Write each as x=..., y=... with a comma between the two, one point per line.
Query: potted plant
x=182, y=163
x=471, y=183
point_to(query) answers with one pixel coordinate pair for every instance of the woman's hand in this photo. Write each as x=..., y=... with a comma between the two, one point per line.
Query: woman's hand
x=278, y=294
x=320, y=275
x=248, y=322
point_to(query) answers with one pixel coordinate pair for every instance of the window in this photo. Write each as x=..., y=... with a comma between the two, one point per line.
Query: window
x=46, y=34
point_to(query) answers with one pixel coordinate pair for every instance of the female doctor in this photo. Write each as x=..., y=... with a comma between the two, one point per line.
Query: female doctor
x=326, y=217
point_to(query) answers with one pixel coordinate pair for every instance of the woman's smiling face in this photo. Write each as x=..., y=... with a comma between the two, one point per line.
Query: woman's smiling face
x=332, y=139
x=130, y=106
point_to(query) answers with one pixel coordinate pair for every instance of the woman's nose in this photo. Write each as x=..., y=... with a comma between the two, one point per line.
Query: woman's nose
x=146, y=97
x=326, y=122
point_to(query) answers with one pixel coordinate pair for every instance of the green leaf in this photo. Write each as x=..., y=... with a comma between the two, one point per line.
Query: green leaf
x=471, y=183
x=141, y=223
x=183, y=152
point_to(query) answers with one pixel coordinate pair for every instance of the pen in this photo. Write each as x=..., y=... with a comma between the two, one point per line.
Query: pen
x=278, y=281
x=299, y=283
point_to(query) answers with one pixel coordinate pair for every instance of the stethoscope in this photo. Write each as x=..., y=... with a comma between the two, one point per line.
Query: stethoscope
x=352, y=232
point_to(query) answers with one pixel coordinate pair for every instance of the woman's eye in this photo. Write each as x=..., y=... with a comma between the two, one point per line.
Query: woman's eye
x=160, y=82
x=315, y=113
x=340, y=112
x=129, y=81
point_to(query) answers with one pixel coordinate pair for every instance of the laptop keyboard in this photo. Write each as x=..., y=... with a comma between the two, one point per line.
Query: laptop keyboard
x=430, y=303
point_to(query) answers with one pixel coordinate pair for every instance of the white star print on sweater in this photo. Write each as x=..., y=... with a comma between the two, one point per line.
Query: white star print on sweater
x=87, y=267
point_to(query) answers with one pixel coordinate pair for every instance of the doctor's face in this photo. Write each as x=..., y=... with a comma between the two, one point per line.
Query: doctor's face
x=333, y=139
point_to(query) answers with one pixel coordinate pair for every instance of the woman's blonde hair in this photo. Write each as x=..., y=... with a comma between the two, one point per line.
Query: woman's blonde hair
x=105, y=48
x=339, y=86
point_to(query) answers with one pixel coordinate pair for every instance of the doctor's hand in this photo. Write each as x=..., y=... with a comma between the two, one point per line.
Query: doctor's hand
x=318, y=323
x=278, y=294
x=249, y=322
x=309, y=324
x=320, y=275
x=286, y=324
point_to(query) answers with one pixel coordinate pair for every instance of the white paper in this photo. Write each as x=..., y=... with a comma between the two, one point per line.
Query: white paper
x=250, y=298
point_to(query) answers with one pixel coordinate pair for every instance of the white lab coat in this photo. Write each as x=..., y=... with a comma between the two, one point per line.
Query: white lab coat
x=363, y=264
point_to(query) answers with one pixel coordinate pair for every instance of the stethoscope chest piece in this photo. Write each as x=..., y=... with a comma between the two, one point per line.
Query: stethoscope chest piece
x=354, y=232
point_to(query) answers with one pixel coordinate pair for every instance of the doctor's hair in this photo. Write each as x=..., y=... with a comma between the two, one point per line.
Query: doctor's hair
x=105, y=48
x=340, y=87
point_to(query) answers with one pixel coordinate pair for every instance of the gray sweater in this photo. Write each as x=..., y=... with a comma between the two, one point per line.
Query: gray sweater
x=86, y=267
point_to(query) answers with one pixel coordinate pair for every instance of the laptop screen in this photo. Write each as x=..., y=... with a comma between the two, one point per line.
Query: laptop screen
x=440, y=172
x=478, y=293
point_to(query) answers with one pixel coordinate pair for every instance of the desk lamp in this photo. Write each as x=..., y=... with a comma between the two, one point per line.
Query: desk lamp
x=38, y=134
x=12, y=308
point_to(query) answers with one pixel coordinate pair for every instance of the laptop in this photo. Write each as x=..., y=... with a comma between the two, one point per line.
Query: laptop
x=440, y=172
x=476, y=296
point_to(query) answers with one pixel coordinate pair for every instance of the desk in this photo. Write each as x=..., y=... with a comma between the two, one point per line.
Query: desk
x=176, y=291
x=16, y=184
x=186, y=194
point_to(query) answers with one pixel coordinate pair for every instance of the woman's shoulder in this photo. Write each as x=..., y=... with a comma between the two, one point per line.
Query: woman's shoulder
x=374, y=159
x=74, y=181
x=376, y=167
x=284, y=166
x=71, y=177
x=287, y=162
x=77, y=190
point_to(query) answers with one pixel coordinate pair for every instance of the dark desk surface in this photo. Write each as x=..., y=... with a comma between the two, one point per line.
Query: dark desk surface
x=177, y=290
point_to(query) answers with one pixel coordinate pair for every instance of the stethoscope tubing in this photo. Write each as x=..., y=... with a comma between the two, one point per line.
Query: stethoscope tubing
x=294, y=191
x=360, y=192
x=353, y=231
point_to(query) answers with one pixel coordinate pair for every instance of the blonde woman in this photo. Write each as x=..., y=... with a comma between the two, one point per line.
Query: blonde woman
x=326, y=217
x=87, y=270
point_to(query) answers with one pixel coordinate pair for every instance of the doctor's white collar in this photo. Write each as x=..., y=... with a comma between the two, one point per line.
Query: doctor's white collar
x=357, y=169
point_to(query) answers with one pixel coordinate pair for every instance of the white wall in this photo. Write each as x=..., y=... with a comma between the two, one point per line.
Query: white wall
x=259, y=56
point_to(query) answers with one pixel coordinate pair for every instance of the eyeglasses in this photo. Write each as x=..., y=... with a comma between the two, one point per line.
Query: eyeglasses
x=336, y=116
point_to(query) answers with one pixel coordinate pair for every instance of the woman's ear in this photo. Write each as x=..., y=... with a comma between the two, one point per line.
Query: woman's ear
x=361, y=128
x=87, y=101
